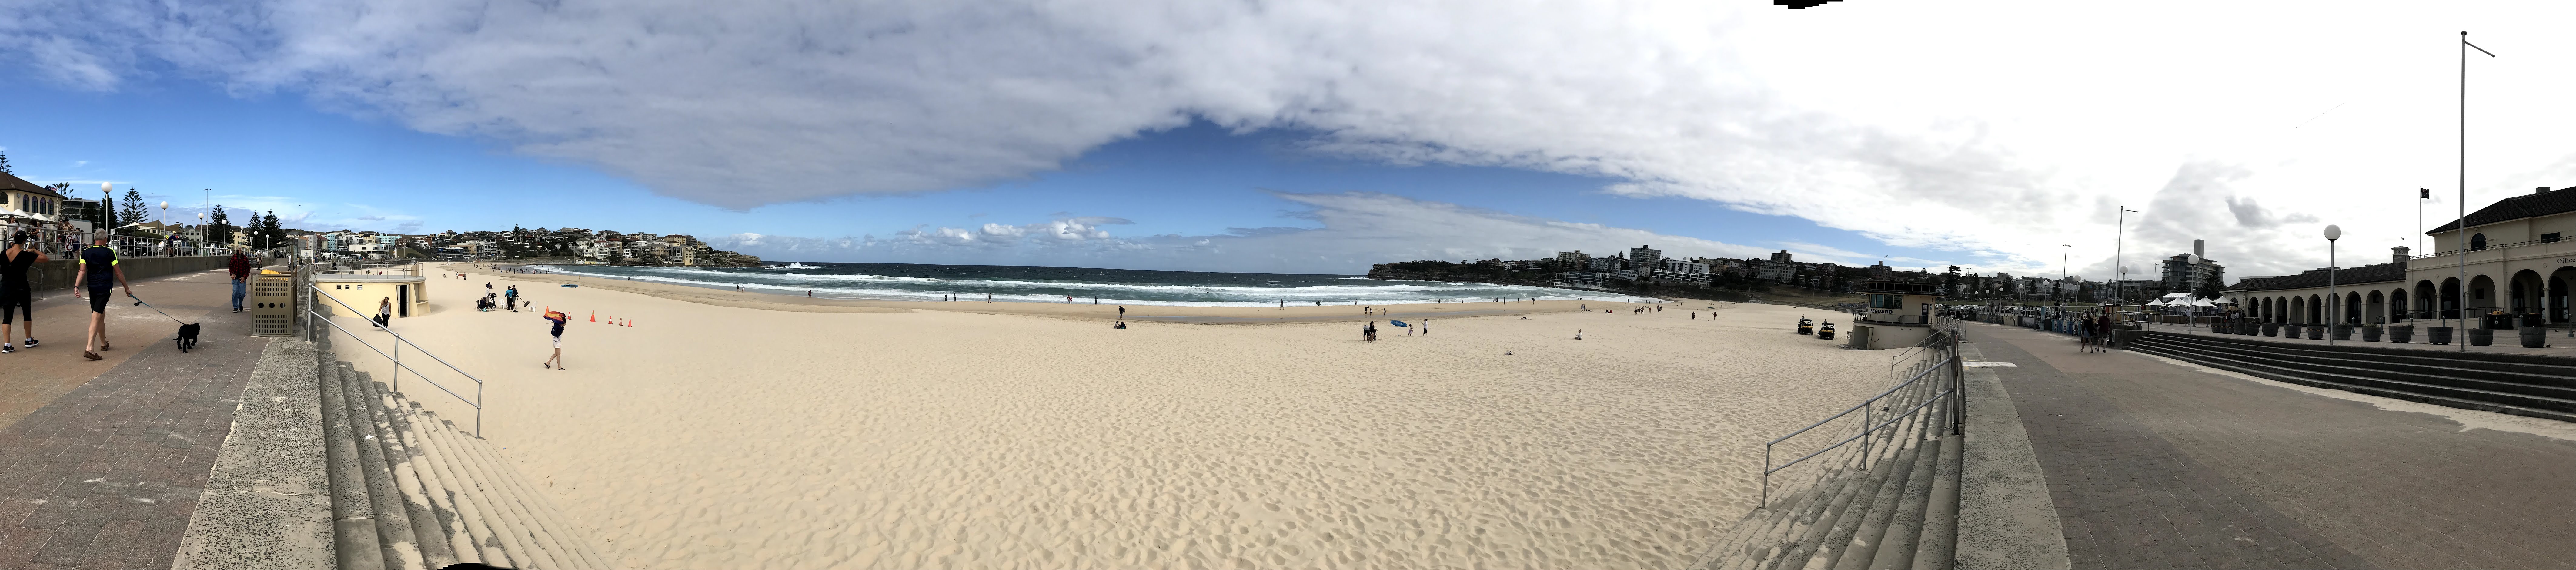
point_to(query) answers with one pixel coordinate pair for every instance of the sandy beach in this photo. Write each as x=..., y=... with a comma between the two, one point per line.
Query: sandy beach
x=742, y=430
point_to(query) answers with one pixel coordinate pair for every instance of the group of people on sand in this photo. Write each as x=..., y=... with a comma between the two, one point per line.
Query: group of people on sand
x=1368, y=332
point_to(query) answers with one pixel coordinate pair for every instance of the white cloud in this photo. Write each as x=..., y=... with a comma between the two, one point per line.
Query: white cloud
x=2006, y=128
x=1357, y=229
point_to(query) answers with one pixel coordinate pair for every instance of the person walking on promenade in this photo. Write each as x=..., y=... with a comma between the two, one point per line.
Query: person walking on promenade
x=385, y=313
x=2084, y=335
x=99, y=271
x=2102, y=322
x=512, y=294
x=558, y=319
x=239, y=266
x=17, y=299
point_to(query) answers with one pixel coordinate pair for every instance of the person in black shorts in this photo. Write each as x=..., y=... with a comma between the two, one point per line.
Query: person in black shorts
x=97, y=269
x=16, y=298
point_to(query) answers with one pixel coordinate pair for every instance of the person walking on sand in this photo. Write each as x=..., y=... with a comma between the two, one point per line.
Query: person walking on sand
x=512, y=294
x=556, y=333
x=239, y=266
x=99, y=271
x=1122, y=312
x=16, y=298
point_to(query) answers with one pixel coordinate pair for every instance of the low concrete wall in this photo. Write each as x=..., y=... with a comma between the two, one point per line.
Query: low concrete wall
x=57, y=274
x=267, y=503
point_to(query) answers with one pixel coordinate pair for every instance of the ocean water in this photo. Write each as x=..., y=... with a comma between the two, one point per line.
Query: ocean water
x=914, y=282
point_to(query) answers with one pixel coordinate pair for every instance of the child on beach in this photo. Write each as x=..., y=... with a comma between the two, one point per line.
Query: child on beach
x=558, y=318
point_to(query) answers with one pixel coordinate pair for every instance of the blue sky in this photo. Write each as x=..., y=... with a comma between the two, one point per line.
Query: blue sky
x=173, y=139
x=1168, y=134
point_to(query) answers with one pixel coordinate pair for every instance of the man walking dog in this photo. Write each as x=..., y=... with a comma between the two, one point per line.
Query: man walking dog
x=97, y=268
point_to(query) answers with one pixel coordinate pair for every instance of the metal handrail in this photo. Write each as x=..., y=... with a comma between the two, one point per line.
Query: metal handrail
x=397, y=380
x=1946, y=344
x=478, y=384
x=1863, y=403
x=1892, y=420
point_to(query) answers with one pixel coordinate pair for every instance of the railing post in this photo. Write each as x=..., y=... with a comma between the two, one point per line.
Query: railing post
x=1766, y=475
x=1865, y=410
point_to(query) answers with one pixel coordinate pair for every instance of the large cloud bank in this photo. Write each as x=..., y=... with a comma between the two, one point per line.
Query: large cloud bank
x=1355, y=230
x=1996, y=131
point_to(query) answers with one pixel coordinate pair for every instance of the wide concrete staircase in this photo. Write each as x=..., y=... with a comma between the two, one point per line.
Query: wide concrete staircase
x=409, y=490
x=2519, y=384
x=1890, y=505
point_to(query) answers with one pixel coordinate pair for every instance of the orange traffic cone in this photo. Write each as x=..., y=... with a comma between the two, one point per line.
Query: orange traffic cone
x=594, y=316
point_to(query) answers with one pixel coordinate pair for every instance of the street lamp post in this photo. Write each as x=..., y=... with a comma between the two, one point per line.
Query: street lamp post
x=2118, y=245
x=2333, y=232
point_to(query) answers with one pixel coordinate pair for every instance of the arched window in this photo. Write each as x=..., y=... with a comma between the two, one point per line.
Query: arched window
x=2478, y=242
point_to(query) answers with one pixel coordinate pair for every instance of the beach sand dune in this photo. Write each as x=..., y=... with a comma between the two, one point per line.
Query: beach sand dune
x=710, y=436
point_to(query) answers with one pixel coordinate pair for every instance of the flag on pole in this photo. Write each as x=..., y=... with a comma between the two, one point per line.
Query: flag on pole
x=2428, y=192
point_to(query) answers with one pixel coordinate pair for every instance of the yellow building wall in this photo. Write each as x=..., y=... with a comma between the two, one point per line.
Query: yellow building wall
x=364, y=296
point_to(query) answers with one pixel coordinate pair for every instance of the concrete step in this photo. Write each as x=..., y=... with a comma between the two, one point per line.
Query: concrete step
x=2444, y=385
x=2546, y=365
x=1834, y=532
x=567, y=543
x=2462, y=373
x=393, y=522
x=2409, y=391
x=454, y=520
x=355, y=541
x=498, y=539
x=522, y=537
x=479, y=537
x=1937, y=547
x=435, y=551
x=1857, y=549
x=1895, y=550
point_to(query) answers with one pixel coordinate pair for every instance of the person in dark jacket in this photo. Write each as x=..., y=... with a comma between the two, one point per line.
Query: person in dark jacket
x=240, y=268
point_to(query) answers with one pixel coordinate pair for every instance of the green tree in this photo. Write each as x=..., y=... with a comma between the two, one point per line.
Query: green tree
x=219, y=226
x=270, y=233
x=2208, y=289
x=4, y=164
x=134, y=210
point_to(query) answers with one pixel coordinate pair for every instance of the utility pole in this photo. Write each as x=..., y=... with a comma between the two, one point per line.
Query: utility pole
x=2463, y=225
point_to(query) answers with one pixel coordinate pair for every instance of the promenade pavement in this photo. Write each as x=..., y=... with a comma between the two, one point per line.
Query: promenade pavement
x=101, y=463
x=2157, y=464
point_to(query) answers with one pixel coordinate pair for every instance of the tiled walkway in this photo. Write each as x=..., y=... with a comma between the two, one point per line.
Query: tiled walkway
x=2156, y=465
x=102, y=462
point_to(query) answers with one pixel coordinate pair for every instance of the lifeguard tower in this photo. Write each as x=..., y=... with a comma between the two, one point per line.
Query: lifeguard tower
x=1899, y=315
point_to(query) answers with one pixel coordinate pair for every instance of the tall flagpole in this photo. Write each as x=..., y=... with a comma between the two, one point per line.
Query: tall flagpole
x=2463, y=225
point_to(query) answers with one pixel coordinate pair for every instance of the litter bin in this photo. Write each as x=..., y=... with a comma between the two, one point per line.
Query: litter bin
x=2534, y=337
x=2271, y=329
x=2481, y=337
x=2401, y=333
x=2437, y=335
x=2316, y=332
x=2343, y=332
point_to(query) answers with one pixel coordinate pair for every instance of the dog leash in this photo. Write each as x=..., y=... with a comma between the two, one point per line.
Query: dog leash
x=139, y=301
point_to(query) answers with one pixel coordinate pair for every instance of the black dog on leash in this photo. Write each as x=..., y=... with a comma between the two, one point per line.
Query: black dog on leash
x=187, y=338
